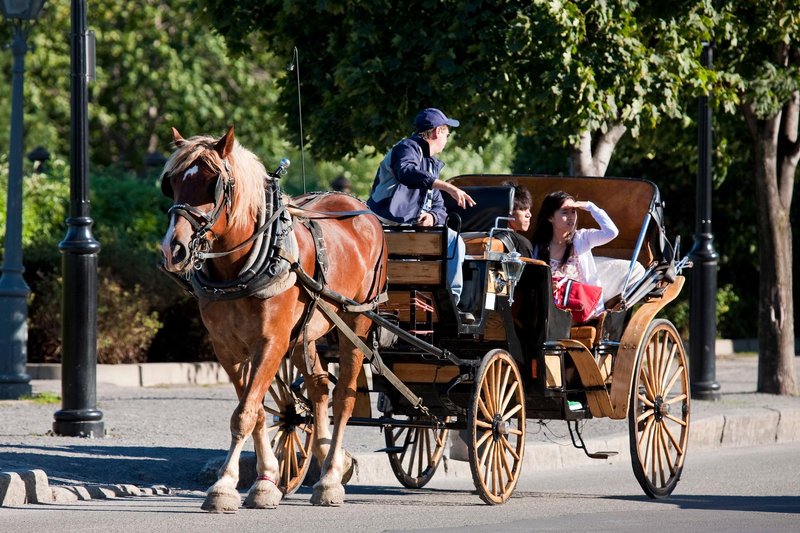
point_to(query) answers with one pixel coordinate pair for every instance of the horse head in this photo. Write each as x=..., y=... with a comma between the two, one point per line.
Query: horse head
x=199, y=177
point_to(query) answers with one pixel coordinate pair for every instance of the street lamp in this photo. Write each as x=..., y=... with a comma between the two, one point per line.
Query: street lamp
x=79, y=416
x=14, y=382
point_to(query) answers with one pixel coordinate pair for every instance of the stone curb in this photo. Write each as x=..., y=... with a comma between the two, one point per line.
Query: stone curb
x=32, y=486
x=143, y=374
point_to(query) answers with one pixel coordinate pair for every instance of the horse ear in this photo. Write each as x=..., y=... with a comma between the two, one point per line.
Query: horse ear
x=177, y=138
x=224, y=146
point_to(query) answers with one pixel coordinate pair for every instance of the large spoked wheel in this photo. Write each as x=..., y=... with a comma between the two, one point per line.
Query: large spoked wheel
x=496, y=427
x=292, y=430
x=418, y=452
x=658, y=417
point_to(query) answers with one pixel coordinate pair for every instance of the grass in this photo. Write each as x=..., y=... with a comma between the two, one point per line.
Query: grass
x=43, y=398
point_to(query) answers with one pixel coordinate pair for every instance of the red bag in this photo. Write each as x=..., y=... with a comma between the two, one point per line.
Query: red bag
x=578, y=298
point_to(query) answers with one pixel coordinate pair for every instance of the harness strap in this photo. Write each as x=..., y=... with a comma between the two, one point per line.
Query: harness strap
x=319, y=246
x=372, y=356
x=261, y=229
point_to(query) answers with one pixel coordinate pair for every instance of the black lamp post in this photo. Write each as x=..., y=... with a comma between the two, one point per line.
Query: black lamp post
x=703, y=300
x=79, y=416
x=14, y=381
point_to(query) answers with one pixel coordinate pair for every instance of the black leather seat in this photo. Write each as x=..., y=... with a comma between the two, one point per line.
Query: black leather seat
x=490, y=202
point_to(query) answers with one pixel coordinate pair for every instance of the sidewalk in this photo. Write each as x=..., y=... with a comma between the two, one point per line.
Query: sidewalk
x=163, y=436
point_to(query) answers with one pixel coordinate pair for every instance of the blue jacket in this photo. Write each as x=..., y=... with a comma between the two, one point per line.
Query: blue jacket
x=403, y=185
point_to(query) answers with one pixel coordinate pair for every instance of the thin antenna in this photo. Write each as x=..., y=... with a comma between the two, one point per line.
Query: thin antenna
x=295, y=65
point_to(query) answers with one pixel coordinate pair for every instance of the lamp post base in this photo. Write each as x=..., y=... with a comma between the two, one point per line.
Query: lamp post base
x=706, y=390
x=14, y=390
x=79, y=424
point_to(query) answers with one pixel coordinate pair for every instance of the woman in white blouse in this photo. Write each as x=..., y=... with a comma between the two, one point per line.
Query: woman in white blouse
x=568, y=250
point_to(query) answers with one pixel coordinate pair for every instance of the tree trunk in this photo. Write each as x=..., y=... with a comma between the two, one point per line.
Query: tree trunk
x=593, y=161
x=776, y=147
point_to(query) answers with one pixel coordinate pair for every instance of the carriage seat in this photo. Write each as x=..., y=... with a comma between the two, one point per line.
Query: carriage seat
x=490, y=202
x=612, y=273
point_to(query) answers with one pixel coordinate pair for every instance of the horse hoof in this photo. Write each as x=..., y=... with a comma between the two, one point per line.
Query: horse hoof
x=329, y=496
x=263, y=495
x=222, y=500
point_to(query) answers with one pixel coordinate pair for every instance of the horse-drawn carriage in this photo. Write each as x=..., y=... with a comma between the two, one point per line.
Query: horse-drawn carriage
x=520, y=359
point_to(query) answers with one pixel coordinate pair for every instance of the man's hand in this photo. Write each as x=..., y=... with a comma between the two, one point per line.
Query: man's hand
x=425, y=219
x=462, y=199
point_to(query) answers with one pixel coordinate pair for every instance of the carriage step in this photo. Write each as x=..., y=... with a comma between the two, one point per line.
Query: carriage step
x=391, y=449
x=601, y=455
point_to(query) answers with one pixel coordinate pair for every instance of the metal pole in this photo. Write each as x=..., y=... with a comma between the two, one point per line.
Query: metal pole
x=14, y=382
x=79, y=416
x=703, y=302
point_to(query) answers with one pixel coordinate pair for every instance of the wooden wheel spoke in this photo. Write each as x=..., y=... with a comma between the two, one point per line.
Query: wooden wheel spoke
x=501, y=391
x=511, y=391
x=676, y=420
x=676, y=399
x=512, y=412
x=483, y=424
x=484, y=410
x=674, y=441
x=486, y=435
x=670, y=359
x=645, y=400
x=644, y=441
x=646, y=414
x=678, y=373
x=510, y=448
x=273, y=411
x=487, y=397
x=423, y=448
x=648, y=386
x=504, y=459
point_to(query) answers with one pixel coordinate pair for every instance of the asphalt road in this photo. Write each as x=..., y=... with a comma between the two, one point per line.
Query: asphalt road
x=730, y=490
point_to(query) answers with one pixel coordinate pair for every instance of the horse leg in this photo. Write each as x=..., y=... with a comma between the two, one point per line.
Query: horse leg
x=329, y=489
x=223, y=497
x=317, y=388
x=264, y=493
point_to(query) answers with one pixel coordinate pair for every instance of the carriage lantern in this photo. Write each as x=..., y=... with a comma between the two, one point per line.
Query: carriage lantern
x=512, y=270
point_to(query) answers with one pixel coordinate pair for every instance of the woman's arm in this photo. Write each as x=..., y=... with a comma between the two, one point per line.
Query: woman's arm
x=608, y=230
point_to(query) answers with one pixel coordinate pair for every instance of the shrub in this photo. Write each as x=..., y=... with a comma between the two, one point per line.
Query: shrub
x=126, y=325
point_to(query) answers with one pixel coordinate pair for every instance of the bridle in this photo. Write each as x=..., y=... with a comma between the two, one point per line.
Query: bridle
x=203, y=221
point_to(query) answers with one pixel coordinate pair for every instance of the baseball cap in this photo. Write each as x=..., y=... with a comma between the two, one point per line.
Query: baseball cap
x=431, y=118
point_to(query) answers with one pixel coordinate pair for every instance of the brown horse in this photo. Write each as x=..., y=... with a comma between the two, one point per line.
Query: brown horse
x=233, y=241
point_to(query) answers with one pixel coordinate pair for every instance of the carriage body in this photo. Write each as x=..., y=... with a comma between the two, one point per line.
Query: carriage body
x=567, y=372
x=534, y=329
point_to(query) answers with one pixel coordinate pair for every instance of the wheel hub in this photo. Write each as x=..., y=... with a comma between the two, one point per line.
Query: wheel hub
x=660, y=408
x=499, y=427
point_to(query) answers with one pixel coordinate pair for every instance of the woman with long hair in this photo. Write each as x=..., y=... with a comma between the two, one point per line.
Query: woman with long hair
x=568, y=250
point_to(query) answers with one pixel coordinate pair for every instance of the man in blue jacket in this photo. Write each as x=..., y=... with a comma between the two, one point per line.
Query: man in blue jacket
x=407, y=188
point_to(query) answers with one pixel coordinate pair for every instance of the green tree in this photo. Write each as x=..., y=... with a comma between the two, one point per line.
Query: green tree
x=760, y=49
x=157, y=66
x=591, y=71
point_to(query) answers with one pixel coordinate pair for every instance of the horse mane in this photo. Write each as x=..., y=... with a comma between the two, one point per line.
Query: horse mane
x=247, y=171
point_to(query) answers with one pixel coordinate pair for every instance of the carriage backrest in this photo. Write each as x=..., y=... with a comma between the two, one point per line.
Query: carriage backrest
x=626, y=200
x=491, y=202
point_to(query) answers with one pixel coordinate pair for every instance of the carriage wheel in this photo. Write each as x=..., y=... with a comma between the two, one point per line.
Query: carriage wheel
x=422, y=450
x=496, y=427
x=292, y=430
x=658, y=417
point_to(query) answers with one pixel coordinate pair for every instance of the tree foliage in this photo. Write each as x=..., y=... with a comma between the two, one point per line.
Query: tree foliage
x=577, y=67
x=157, y=66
